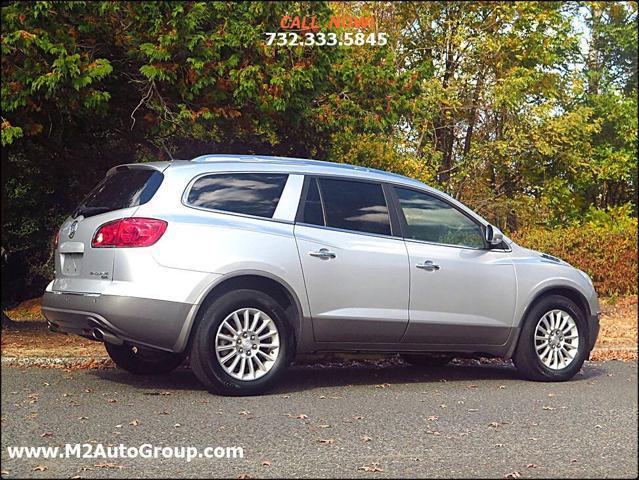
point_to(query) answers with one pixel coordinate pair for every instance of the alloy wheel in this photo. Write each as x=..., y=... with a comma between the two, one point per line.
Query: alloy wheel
x=247, y=344
x=556, y=339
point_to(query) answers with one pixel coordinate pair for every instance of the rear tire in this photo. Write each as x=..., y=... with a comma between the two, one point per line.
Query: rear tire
x=244, y=358
x=553, y=342
x=427, y=360
x=142, y=360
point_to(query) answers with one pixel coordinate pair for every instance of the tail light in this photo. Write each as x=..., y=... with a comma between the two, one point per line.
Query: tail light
x=129, y=232
x=56, y=240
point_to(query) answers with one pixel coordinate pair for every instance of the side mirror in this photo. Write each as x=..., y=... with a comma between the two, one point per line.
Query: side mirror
x=493, y=235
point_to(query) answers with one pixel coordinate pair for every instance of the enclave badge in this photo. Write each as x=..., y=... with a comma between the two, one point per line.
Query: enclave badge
x=73, y=228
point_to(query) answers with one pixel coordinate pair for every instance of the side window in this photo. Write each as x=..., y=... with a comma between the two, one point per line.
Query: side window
x=432, y=220
x=313, y=213
x=353, y=205
x=248, y=193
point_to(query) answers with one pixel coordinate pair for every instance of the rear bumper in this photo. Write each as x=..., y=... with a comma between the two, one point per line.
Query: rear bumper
x=153, y=323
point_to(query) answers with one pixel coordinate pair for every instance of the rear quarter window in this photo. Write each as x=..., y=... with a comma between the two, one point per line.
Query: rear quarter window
x=254, y=194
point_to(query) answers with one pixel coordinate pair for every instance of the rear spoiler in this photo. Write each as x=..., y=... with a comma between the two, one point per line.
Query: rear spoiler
x=159, y=166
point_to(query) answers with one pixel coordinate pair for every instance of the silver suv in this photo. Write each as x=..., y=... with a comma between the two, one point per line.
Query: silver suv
x=241, y=262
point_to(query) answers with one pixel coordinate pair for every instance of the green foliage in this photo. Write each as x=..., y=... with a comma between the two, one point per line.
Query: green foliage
x=515, y=108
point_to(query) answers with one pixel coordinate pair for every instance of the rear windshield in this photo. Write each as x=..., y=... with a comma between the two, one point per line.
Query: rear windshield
x=123, y=189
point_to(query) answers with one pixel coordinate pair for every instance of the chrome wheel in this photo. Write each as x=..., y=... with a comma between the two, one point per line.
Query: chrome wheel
x=556, y=339
x=247, y=344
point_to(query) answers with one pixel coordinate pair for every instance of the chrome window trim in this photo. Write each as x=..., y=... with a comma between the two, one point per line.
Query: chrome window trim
x=413, y=240
x=338, y=176
x=343, y=230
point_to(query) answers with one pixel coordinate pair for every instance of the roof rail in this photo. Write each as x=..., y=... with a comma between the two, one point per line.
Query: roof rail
x=225, y=157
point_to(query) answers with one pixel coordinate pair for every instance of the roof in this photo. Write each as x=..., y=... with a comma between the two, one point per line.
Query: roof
x=293, y=165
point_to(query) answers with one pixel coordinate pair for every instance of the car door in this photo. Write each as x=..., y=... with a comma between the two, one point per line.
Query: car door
x=461, y=292
x=354, y=262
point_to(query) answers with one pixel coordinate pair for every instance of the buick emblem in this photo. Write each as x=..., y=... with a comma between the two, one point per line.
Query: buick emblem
x=73, y=228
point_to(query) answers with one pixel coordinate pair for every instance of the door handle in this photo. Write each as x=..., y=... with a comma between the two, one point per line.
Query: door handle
x=428, y=265
x=323, y=253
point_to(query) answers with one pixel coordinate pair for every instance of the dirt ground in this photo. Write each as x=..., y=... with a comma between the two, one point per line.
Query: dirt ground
x=27, y=336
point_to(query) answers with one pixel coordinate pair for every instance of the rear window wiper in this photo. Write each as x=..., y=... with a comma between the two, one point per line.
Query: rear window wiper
x=90, y=211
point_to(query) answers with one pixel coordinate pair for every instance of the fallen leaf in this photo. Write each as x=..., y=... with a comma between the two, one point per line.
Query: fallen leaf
x=432, y=418
x=83, y=418
x=266, y=463
x=531, y=465
x=546, y=407
x=513, y=475
x=244, y=412
x=325, y=425
x=47, y=434
x=370, y=468
x=302, y=416
x=135, y=423
x=111, y=400
x=327, y=441
x=40, y=468
x=106, y=465
x=366, y=439
x=242, y=476
x=177, y=425
x=383, y=385
x=433, y=432
x=494, y=425
x=118, y=426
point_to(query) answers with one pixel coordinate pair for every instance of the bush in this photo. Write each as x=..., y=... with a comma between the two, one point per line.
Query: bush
x=606, y=252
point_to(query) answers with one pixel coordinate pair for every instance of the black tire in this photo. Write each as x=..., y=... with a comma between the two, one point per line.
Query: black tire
x=526, y=359
x=426, y=360
x=204, y=361
x=142, y=360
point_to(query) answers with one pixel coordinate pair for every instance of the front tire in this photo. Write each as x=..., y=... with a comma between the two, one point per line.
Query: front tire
x=142, y=360
x=241, y=344
x=553, y=343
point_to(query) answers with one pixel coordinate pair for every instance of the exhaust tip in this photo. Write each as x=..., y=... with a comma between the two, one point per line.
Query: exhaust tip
x=106, y=337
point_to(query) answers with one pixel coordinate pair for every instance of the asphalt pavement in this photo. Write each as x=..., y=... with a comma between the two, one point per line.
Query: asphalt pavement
x=353, y=420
